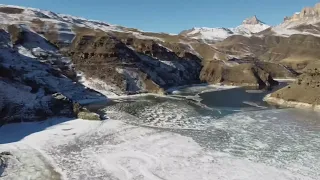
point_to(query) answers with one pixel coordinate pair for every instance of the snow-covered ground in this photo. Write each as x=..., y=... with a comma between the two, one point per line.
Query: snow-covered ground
x=80, y=149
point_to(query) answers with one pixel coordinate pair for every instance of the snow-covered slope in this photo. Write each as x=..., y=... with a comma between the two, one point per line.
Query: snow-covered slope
x=208, y=34
x=29, y=83
x=248, y=27
x=18, y=14
x=62, y=25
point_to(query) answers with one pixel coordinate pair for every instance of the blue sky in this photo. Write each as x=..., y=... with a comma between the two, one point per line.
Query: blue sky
x=171, y=16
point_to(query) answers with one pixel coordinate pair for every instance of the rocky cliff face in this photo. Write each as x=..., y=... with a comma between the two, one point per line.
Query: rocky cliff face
x=295, y=51
x=244, y=74
x=306, y=13
x=307, y=21
x=34, y=89
x=134, y=65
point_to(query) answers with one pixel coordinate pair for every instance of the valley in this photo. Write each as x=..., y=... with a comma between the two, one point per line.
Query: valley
x=85, y=99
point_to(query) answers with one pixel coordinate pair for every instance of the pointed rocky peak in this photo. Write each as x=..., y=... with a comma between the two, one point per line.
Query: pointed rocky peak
x=252, y=20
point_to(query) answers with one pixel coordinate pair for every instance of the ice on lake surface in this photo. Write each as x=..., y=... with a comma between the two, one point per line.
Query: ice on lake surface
x=228, y=134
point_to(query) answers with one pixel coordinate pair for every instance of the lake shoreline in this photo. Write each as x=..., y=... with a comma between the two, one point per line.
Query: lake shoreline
x=290, y=104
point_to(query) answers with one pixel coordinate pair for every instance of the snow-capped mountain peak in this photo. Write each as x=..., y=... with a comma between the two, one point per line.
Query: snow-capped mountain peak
x=252, y=20
x=250, y=26
x=213, y=34
x=210, y=35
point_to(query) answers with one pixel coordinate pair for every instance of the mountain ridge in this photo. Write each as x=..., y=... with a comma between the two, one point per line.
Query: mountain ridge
x=248, y=27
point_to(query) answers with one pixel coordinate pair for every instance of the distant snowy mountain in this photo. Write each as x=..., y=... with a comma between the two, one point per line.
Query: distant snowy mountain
x=208, y=34
x=248, y=27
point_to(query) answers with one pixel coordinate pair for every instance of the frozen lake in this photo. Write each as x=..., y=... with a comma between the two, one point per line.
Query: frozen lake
x=195, y=133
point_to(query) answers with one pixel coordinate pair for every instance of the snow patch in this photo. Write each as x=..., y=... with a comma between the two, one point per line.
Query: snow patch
x=99, y=86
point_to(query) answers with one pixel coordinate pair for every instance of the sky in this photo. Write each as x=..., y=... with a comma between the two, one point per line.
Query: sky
x=172, y=16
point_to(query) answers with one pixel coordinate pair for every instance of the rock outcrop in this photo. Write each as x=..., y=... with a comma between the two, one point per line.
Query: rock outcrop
x=3, y=160
x=277, y=70
x=89, y=116
x=307, y=12
x=246, y=74
x=307, y=21
x=304, y=93
x=252, y=20
x=16, y=34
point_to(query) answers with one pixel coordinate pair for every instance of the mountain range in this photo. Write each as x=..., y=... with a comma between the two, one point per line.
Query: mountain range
x=248, y=27
x=51, y=64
